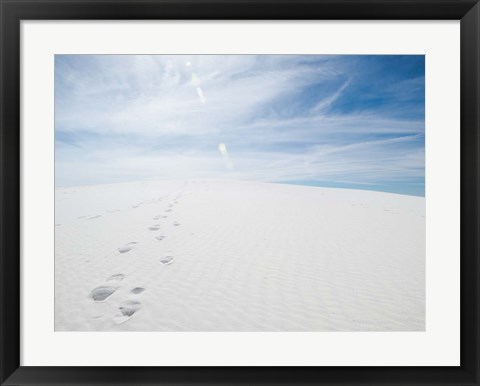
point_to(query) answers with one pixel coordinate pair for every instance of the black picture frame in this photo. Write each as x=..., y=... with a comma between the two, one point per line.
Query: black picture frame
x=13, y=11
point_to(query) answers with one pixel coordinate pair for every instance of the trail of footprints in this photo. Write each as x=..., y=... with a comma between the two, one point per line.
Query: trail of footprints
x=130, y=306
x=167, y=259
x=158, y=217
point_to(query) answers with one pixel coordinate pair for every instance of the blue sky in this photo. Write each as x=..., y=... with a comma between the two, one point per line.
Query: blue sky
x=337, y=121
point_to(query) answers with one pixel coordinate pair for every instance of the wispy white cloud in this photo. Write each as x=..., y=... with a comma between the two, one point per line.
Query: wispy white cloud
x=122, y=118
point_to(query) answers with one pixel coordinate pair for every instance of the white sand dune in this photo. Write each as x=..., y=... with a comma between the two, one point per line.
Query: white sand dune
x=217, y=255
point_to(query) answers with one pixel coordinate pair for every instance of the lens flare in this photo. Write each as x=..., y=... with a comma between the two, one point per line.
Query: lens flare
x=226, y=158
x=201, y=95
x=194, y=80
x=222, y=148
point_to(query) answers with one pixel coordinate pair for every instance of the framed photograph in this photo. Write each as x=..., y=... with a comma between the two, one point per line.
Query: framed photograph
x=228, y=192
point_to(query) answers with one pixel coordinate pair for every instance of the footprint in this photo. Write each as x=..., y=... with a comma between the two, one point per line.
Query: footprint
x=160, y=238
x=102, y=293
x=94, y=217
x=154, y=227
x=117, y=276
x=166, y=260
x=127, y=247
x=129, y=307
x=165, y=216
x=168, y=210
x=176, y=223
x=82, y=217
x=157, y=217
x=137, y=290
x=127, y=310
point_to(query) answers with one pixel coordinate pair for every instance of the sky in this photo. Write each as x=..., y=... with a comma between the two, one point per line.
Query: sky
x=348, y=121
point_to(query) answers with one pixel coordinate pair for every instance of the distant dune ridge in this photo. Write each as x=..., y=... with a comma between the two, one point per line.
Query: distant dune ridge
x=222, y=255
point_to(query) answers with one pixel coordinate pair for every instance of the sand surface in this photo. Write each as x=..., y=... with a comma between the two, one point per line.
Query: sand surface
x=217, y=255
